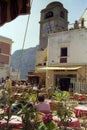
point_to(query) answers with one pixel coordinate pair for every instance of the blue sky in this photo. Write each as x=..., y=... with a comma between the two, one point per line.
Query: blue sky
x=15, y=30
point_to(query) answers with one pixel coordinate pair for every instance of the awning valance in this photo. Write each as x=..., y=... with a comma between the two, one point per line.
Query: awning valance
x=60, y=68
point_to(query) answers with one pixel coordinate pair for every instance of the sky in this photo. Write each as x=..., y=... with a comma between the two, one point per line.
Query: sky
x=16, y=29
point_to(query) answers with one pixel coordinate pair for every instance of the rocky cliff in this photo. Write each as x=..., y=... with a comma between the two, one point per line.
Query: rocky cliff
x=24, y=60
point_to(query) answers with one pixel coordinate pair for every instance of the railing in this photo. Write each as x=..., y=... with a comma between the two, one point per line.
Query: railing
x=79, y=87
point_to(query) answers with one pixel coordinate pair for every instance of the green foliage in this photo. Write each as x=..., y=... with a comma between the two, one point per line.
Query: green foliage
x=61, y=96
x=63, y=113
x=30, y=116
x=29, y=97
x=49, y=126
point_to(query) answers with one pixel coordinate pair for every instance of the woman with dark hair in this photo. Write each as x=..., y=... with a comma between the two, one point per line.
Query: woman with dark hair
x=42, y=105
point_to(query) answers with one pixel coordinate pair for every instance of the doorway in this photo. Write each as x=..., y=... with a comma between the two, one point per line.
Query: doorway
x=64, y=84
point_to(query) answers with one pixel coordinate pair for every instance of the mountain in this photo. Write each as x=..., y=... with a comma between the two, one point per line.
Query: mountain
x=24, y=60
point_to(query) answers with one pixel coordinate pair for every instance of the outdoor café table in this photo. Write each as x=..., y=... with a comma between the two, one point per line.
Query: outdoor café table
x=80, y=109
x=73, y=124
x=17, y=95
x=15, y=121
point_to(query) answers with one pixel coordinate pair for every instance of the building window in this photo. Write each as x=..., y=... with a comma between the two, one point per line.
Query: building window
x=63, y=55
x=63, y=52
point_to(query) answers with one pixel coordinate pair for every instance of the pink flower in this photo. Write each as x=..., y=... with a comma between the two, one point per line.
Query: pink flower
x=47, y=118
x=6, y=110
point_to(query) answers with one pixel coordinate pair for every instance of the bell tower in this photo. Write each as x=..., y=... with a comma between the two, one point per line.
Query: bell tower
x=54, y=18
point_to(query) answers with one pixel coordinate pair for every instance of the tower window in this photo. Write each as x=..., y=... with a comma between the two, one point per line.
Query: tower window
x=62, y=14
x=49, y=14
x=63, y=51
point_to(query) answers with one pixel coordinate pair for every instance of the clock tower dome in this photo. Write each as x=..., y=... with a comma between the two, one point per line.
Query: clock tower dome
x=53, y=19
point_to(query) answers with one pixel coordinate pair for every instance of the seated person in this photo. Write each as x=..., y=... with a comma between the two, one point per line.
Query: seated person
x=18, y=106
x=42, y=105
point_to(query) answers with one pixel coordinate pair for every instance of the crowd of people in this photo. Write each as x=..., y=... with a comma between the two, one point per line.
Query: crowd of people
x=42, y=105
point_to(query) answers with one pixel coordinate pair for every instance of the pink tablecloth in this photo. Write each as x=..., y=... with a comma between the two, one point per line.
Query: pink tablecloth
x=80, y=109
x=73, y=124
x=15, y=121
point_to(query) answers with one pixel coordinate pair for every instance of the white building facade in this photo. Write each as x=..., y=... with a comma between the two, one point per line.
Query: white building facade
x=75, y=44
x=67, y=58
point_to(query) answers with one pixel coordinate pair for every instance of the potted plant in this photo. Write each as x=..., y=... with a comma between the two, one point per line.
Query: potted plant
x=7, y=114
x=47, y=123
x=28, y=113
x=63, y=113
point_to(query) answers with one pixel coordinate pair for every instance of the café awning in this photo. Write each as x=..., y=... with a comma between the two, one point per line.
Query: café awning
x=59, y=68
x=10, y=9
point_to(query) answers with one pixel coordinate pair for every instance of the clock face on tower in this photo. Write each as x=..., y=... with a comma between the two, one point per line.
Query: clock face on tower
x=48, y=27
